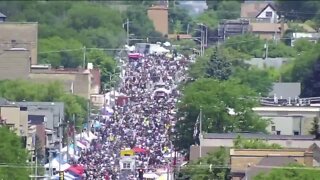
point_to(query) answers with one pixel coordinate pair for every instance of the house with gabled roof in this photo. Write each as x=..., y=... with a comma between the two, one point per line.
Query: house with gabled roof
x=2, y=17
x=256, y=11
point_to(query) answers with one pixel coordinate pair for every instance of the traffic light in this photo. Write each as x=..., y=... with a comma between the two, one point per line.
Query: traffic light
x=140, y=174
x=61, y=175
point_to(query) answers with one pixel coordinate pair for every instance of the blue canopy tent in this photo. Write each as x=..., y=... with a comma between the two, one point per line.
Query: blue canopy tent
x=96, y=124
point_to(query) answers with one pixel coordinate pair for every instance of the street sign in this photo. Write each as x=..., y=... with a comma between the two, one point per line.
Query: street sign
x=126, y=153
x=61, y=175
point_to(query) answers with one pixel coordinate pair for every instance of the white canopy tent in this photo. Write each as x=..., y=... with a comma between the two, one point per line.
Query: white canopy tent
x=113, y=93
x=130, y=48
x=87, y=137
x=162, y=90
x=167, y=44
x=55, y=164
x=150, y=175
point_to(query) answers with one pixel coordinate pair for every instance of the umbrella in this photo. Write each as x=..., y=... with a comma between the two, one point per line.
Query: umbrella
x=139, y=150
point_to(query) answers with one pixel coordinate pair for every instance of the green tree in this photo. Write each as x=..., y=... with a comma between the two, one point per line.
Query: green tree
x=291, y=172
x=293, y=10
x=200, y=169
x=65, y=26
x=305, y=69
x=279, y=49
x=56, y=51
x=13, y=156
x=302, y=45
x=184, y=46
x=180, y=15
x=247, y=43
x=20, y=90
x=240, y=143
x=258, y=80
x=229, y=10
x=178, y=27
x=209, y=18
x=216, y=98
x=141, y=26
x=213, y=4
x=105, y=63
x=315, y=126
x=218, y=67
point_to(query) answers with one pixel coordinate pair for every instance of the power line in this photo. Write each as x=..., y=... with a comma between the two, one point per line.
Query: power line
x=80, y=49
x=58, y=51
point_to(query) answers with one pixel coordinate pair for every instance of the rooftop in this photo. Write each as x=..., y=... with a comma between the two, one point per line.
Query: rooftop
x=2, y=15
x=158, y=7
x=288, y=108
x=250, y=9
x=256, y=136
x=267, y=27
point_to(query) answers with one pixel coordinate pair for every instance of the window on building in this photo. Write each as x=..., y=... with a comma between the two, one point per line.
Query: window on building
x=269, y=14
x=296, y=133
x=273, y=128
x=278, y=132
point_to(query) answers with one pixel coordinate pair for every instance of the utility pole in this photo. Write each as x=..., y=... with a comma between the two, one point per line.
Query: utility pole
x=218, y=42
x=60, y=142
x=36, y=158
x=74, y=134
x=128, y=33
x=88, y=117
x=200, y=133
x=84, y=57
x=282, y=26
x=68, y=131
x=266, y=47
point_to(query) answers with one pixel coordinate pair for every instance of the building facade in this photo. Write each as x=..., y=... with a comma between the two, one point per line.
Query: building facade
x=14, y=64
x=286, y=120
x=81, y=82
x=20, y=35
x=159, y=16
x=212, y=141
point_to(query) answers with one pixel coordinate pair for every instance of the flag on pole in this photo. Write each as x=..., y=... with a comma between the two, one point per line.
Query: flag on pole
x=71, y=88
x=196, y=129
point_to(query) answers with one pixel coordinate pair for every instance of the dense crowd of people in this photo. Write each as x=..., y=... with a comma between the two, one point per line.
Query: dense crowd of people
x=145, y=122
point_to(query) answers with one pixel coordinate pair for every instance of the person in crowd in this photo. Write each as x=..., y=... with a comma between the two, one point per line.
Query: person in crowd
x=145, y=122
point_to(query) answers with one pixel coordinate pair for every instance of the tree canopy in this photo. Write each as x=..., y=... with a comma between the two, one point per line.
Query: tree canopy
x=257, y=79
x=66, y=27
x=218, y=67
x=215, y=165
x=230, y=63
x=216, y=99
x=241, y=143
x=200, y=169
x=305, y=69
x=13, y=157
x=20, y=90
x=290, y=172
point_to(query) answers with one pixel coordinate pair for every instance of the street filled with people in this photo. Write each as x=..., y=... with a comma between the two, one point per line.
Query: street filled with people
x=143, y=123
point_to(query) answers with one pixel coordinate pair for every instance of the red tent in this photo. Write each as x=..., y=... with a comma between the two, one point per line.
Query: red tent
x=139, y=150
x=76, y=169
x=135, y=55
